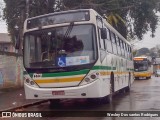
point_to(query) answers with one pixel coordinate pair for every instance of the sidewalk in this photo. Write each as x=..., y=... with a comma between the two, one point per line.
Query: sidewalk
x=12, y=98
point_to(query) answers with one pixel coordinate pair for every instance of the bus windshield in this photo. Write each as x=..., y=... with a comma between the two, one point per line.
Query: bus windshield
x=60, y=47
x=140, y=66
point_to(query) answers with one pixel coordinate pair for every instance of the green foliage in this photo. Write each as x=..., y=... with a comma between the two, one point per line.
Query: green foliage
x=15, y=13
x=139, y=15
x=13, y=16
x=131, y=18
x=144, y=16
x=134, y=53
x=40, y=7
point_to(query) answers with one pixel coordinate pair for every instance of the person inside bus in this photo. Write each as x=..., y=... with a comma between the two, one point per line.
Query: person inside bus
x=73, y=47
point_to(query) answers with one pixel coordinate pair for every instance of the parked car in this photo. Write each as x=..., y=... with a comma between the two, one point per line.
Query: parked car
x=157, y=73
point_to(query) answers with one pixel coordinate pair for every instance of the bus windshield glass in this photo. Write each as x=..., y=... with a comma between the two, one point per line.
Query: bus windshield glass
x=140, y=66
x=60, y=47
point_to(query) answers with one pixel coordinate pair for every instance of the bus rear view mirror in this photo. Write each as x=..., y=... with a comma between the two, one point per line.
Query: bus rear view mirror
x=103, y=33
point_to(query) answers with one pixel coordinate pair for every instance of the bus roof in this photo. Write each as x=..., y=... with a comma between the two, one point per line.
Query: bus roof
x=61, y=12
x=83, y=10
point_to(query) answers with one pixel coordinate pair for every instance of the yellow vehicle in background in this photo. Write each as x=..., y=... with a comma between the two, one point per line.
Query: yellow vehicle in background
x=142, y=68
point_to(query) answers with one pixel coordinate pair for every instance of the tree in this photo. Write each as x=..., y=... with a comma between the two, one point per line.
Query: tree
x=132, y=18
x=139, y=15
x=15, y=13
x=39, y=7
x=13, y=16
x=144, y=17
x=142, y=51
x=1, y=7
x=134, y=52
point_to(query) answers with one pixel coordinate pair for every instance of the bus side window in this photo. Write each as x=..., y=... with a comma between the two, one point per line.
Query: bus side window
x=102, y=43
x=108, y=42
x=130, y=53
x=122, y=50
x=118, y=46
x=127, y=51
x=112, y=35
x=125, y=44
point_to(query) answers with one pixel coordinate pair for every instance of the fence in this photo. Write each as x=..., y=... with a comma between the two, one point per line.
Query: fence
x=11, y=70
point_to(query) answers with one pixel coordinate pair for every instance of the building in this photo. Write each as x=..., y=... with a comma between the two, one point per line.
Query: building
x=6, y=44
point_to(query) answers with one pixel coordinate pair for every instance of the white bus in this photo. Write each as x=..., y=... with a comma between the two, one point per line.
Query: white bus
x=75, y=54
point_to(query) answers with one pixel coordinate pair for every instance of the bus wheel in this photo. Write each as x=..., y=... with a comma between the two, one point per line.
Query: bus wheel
x=54, y=103
x=109, y=98
x=93, y=101
x=128, y=88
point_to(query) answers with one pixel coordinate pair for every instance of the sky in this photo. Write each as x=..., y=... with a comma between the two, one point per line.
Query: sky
x=3, y=26
x=147, y=41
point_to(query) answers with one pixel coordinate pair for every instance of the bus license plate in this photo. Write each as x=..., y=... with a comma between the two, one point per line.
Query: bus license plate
x=58, y=93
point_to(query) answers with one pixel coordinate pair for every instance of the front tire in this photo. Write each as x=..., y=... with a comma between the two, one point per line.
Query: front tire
x=109, y=98
x=128, y=88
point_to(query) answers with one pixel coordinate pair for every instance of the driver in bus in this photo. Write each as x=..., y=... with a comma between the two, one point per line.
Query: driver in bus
x=73, y=47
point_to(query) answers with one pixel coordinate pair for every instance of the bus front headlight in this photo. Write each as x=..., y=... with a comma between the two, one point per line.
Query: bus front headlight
x=30, y=82
x=90, y=78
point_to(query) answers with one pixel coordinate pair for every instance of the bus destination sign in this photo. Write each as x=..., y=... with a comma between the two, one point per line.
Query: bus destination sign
x=52, y=19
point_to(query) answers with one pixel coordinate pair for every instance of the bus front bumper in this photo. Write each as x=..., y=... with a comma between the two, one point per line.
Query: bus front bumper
x=142, y=74
x=91, y=90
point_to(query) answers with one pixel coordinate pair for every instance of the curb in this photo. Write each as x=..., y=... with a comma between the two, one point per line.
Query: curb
x=24, y=106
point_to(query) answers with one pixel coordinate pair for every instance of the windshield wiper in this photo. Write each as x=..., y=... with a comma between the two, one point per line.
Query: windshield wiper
x=69, y=29
x=67, y=33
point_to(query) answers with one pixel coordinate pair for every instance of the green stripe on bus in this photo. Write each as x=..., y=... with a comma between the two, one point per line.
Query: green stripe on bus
x=63, y=73
x=131, y=69
x=75, y=72
x=103, y=68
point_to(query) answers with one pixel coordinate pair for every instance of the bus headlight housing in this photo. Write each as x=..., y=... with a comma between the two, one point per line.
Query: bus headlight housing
x=30, y=82
x=90, y=78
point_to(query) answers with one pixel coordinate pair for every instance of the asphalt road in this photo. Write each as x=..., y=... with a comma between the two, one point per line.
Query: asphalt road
x=144, y=96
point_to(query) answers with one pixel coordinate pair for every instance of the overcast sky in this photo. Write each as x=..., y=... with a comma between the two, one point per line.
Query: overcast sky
x=146, y=42
x=3, y=27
